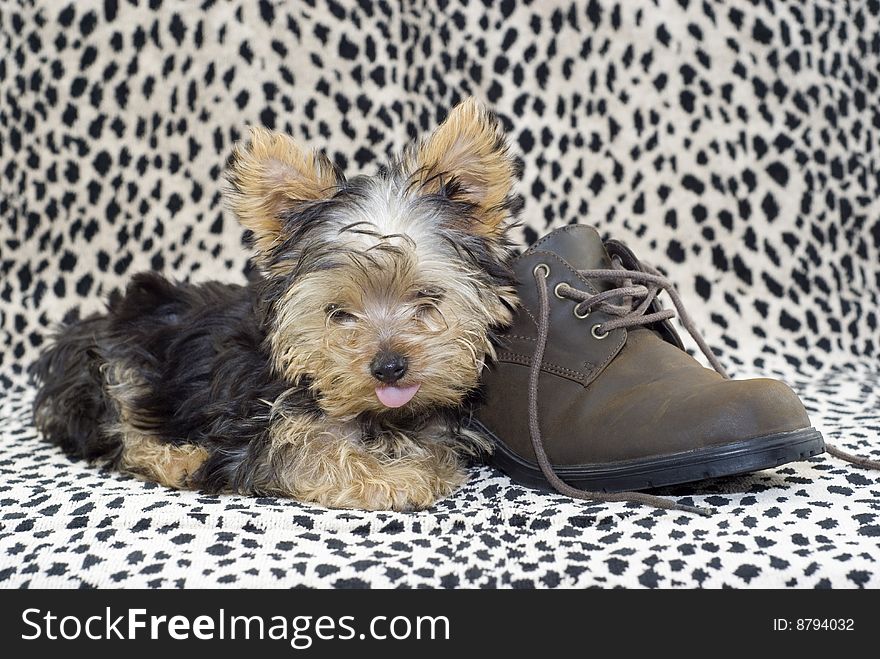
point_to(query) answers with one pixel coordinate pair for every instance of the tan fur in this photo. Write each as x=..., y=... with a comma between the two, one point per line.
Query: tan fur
x=470, y=147
x=448, y=339
x=270, y=173
x=143, y=454
x=328, y=464
x=320, y=461
x=162, y=462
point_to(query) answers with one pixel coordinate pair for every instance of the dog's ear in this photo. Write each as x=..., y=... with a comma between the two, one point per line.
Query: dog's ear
x=467, y=156
x=270, y=174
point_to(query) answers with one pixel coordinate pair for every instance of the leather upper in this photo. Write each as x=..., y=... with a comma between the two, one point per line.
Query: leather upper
x=633, y=394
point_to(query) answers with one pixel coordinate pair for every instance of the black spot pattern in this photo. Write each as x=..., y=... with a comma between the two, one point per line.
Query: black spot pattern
x=735, y=146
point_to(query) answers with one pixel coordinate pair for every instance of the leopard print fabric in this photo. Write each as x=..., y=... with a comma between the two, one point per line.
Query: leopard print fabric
x=734, y=145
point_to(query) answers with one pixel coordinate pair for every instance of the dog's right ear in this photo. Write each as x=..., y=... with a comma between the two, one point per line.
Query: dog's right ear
x=271, y=174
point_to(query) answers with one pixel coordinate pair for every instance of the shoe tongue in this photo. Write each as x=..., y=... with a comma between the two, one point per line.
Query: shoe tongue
x=581, y=247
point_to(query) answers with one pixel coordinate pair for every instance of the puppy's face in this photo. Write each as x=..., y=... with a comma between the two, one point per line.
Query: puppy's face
x=383, y=291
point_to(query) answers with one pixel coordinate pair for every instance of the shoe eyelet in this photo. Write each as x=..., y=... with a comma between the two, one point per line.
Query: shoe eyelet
x=556, y=290
x=542, y=268
x=597, y=334
x=577, y=315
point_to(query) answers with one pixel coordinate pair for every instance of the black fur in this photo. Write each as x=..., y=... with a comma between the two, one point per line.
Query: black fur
x=199, y=349
x=70, y=407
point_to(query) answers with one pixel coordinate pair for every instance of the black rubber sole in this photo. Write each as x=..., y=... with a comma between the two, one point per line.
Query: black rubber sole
x=671, y=469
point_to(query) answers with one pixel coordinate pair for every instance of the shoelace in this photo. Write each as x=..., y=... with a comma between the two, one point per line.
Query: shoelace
x=644, y=285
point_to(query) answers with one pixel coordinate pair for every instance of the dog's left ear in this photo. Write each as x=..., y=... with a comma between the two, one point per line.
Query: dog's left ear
x=272, y=174
x=468, y=156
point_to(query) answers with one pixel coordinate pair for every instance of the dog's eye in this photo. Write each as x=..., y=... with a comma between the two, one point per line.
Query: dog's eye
x=429, y=293
x=337, y=314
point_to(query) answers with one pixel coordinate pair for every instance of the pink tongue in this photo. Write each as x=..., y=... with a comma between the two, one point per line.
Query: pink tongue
x=396, y=396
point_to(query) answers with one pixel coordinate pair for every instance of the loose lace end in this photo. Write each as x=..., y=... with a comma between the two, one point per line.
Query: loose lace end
x=696, y=510
x=857, y=460
x=661, y=502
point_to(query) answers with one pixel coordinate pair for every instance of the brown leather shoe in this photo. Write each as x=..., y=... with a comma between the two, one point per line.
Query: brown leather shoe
x=594, y=391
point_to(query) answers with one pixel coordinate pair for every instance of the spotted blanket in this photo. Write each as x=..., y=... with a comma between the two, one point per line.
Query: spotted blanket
x=732, y=144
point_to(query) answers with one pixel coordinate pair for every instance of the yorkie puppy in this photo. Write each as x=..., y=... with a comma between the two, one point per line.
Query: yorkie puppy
x=340, y=374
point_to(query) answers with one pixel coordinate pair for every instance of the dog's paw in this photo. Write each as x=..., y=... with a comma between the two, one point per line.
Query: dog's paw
x=403, y=491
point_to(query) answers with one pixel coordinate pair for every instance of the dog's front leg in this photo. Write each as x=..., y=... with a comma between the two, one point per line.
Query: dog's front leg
x=329, y=463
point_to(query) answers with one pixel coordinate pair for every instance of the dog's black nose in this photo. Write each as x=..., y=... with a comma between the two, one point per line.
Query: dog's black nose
x=388, y=367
